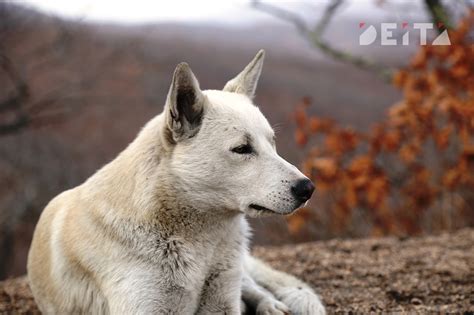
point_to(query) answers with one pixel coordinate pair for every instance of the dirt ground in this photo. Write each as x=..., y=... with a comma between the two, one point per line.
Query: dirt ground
x=412, y=275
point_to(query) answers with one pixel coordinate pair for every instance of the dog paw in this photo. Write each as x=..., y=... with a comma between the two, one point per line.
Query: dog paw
x=301, y=301
x=270, y=306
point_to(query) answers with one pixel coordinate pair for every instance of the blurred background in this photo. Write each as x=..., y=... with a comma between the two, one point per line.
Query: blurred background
x=386, y=132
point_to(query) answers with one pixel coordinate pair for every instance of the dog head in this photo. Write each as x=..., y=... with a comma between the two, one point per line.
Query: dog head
x=223, y=148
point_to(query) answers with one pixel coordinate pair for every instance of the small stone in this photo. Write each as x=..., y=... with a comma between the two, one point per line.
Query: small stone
x=416, y=301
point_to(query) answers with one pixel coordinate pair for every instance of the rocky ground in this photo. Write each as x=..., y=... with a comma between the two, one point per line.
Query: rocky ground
x=412, y=275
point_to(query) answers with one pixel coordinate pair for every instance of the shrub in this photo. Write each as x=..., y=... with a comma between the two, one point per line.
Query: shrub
x=412, y=172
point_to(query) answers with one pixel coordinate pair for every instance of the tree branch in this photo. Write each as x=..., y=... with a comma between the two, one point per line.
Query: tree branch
x=315, y=36
x=326, y=18
x=21, y=108
x=282, y=14
x=21, y=92
x=438, y=13
x=20, y=122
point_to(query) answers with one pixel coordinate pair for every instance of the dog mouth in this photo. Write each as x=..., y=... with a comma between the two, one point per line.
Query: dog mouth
x=261, y=208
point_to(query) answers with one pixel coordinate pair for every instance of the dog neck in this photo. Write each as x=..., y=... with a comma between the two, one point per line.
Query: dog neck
x=137, y=187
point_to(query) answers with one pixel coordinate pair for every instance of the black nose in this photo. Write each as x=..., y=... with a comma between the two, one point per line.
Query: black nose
x=303, y=189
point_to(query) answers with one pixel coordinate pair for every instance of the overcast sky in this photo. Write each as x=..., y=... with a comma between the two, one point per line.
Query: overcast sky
x=228, y=11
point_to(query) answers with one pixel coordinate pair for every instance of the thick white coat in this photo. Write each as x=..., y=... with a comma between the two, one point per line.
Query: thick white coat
x=161, y=229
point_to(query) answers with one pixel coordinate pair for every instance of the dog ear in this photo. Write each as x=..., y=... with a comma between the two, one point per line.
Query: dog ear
x=184, y=104
x=246, y=81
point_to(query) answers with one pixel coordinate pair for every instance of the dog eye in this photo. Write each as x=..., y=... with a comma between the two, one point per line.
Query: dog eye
x=243, y=149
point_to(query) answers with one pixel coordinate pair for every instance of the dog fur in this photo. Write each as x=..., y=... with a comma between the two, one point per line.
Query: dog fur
x=162, y=229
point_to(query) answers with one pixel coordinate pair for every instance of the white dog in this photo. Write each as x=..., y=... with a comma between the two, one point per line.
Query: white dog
x=161, y=229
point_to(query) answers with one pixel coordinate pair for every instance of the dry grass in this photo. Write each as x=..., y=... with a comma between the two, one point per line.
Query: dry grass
x=415, y=275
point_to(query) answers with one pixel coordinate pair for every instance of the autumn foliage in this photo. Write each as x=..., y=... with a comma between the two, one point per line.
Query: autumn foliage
x=412, y=172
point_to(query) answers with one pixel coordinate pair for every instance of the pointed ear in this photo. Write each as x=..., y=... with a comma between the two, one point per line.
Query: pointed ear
x=184, y=104
x=246, y=81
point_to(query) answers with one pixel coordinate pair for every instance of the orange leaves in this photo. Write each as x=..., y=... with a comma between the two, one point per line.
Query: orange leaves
x=399, y=78
x=301, y=137
x=365, y=177
x=459, y=71
x=463, y=171
x=397, y=114
x=468, y=153
x=408, y=153
x=309, y=125
x=451, y=178
x=300, y=117
x=326, y=168
x=350, y=196
x=442, y=136
x=377, y=191
x=405, y=165
x=419, y=191
x=301, y=120
x=360, y=166
x=333, y=144
x=391, y=140
x=341, y=141
x=317, y=124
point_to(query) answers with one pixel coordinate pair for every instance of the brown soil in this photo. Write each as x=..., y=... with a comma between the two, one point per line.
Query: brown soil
x=426, y=274
x=16, y=298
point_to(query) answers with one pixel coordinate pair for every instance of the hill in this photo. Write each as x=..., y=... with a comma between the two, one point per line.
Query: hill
x=423, y=275
x=91, y=87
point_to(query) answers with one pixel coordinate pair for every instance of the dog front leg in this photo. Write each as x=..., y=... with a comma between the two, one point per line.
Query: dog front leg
x=294, y=293
x=165, y=300
x=260, y=300
x=137, y=289
x=221, y=293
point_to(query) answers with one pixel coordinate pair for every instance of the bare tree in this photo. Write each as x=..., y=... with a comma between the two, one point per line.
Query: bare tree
x=315, y=35
x=12, y=104
x=22, y=105
x=21, y=108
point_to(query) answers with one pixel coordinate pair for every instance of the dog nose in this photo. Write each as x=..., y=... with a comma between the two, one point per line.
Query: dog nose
x=303, y=189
